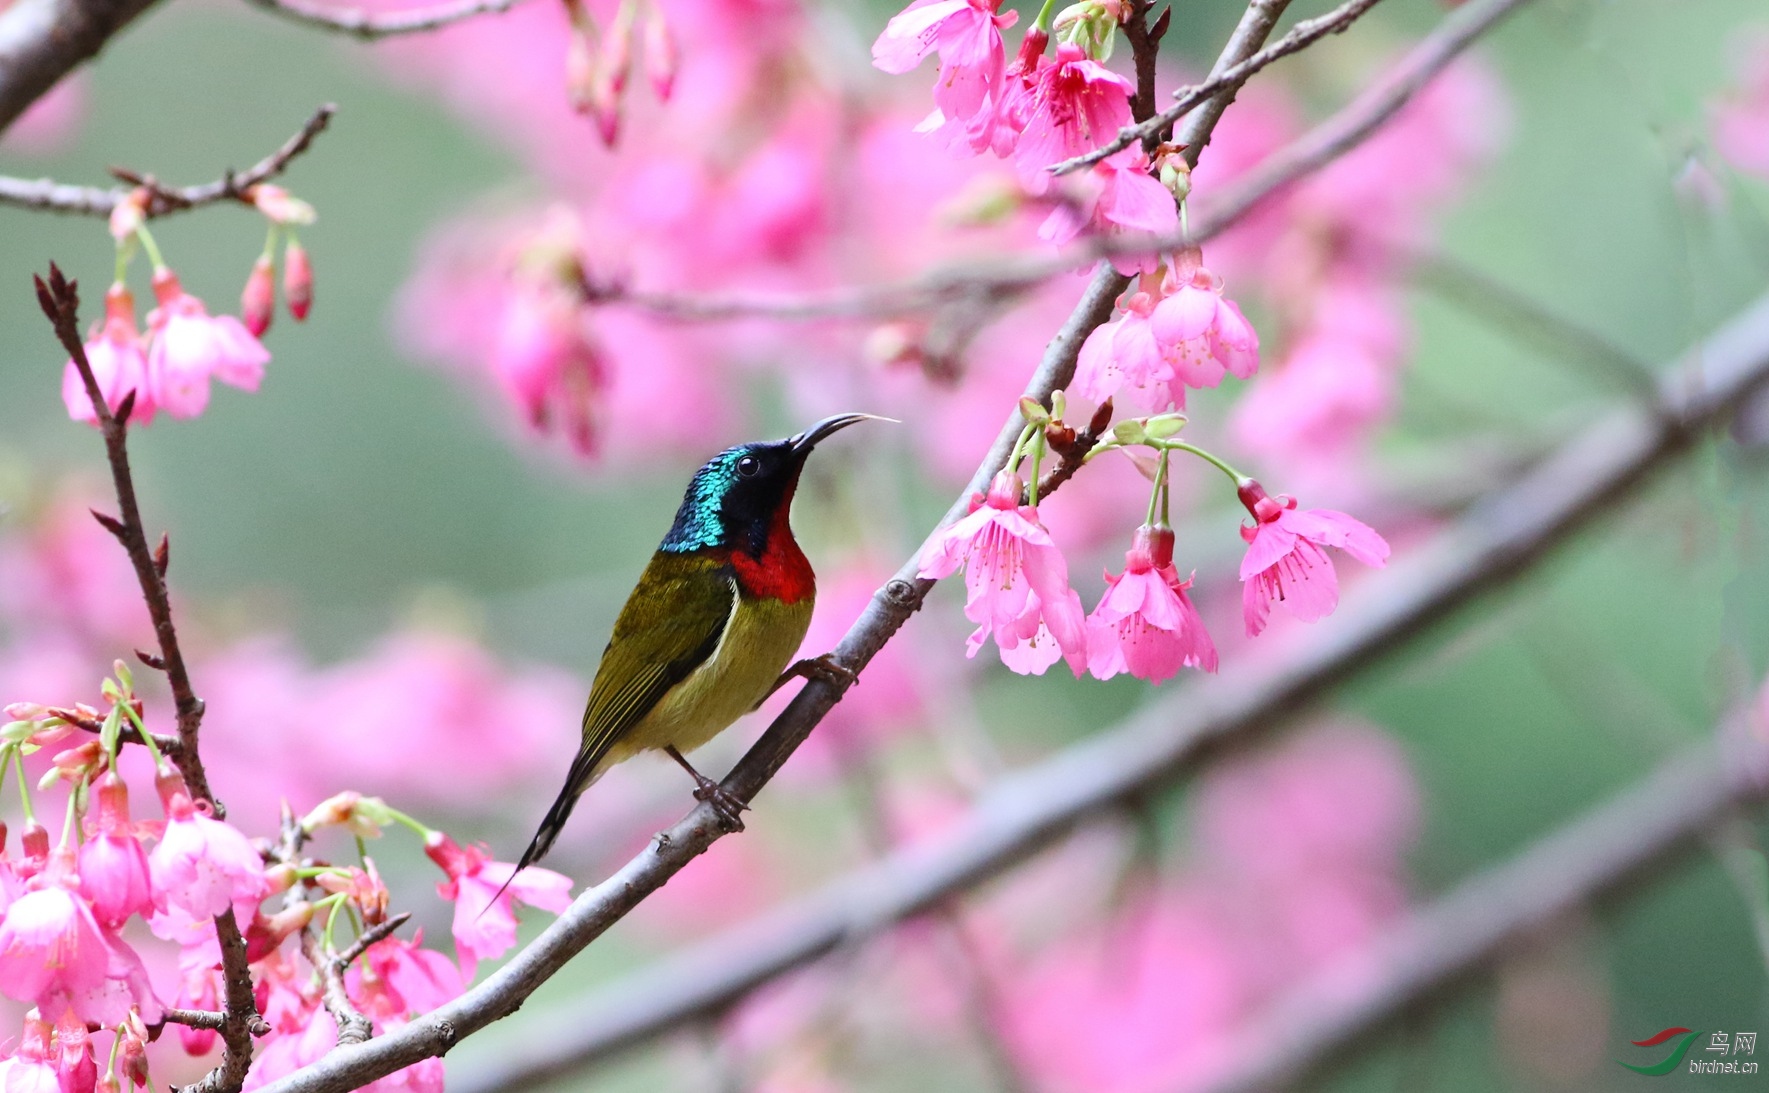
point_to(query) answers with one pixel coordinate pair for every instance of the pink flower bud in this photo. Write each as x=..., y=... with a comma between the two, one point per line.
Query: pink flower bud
x=280, y=205
x=129, y=214
x=297, y=281
x=27, y=711
x=114, y=875
x=661, y=55
x=258, y=301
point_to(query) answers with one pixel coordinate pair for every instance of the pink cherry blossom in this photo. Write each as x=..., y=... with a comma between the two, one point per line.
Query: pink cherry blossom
x=967, y=35
x=1741, y=117
x=50, y=945
x=1120, y=197
x=54, y=954
x=1145, y=624
x=189, y=346
x=1073, y=106
x=404, y=978
x=1285, y=563
x=1200, y=332
x=201, y=865
x=1016, y=581
x=1122, y=359
x=118, y=359
x=32, y=1069
x=485, y=893
x=114, y=876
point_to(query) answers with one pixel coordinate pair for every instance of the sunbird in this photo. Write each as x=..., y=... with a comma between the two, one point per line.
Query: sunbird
x=708, y=632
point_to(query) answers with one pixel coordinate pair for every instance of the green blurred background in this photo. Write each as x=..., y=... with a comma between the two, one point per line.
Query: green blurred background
x=359, y=489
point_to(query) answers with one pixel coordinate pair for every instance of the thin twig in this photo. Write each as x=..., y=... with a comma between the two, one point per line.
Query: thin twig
x=50, y=196
x=128, y=735
x=600, y=907
x=353, y=1027
x=370, y=27
x=1151, y=129
x=370, y=937
x=1662, y=815
x=1021, y=813
x=60, y=300
x=203, y=1019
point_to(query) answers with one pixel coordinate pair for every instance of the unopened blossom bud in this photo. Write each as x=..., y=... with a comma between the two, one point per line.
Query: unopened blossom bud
x=1033, y=411
x=280, y=205
x=35, y=841
x=129, y=214
x=1129, y=432
x=1175, y=172
x=279, y=878
x=258, y=301
x=1101, y=418
x=1162, y=426
x=26, y=711
x=297, y=281
x=580, y=69
x=1031, y=49
x=269, y=931
x=132, y=1049
x=334, y=810
x=662, y=58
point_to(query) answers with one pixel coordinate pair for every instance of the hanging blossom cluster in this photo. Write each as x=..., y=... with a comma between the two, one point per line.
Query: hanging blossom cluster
x=64, y=907
x=170, y=366
x=1039, y=110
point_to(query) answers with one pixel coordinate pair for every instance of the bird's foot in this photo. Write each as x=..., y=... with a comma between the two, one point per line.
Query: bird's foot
x=825, y=668
x=725, y=804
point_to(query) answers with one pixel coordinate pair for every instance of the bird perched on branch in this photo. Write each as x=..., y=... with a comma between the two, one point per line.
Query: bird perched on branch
x=714, y=620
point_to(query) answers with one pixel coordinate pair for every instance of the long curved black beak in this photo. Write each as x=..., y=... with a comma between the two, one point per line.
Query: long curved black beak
x=805, y=441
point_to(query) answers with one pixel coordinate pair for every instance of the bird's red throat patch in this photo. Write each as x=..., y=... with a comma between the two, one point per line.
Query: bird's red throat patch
x=781, y=571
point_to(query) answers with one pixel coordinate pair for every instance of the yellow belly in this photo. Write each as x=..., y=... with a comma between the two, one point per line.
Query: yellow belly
x=757, y=647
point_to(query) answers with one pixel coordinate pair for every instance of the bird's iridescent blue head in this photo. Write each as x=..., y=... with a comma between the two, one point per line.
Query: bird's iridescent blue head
x=733, y=500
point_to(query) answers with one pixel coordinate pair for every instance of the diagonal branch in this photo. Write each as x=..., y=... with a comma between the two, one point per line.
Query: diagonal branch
x=50, y=196
x=593, y=912
x=60, y=300
x=1022, y=813
x=1659, y=817
x=370, y=27
x=43, y=40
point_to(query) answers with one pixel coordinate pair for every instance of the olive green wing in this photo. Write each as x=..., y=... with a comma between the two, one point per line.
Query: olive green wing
x=671, y=624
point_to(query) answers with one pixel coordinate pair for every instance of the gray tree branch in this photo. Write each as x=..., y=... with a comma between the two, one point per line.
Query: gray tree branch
x=42, y=40
x=1497, y=540
x=593, y=912
x=51, y=196
x=1619, y=841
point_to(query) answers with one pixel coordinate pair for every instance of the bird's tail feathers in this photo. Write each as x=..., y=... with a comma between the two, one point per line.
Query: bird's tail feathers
x=583, y=775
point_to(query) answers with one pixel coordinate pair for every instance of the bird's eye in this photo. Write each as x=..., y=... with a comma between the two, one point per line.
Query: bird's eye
x=749, y=466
